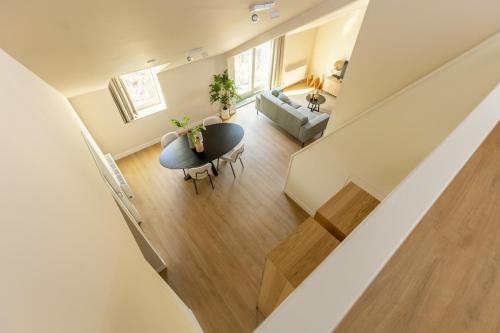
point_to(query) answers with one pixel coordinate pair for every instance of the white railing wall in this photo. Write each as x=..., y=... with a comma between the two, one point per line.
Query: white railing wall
x=383, y=144
x=323, y=299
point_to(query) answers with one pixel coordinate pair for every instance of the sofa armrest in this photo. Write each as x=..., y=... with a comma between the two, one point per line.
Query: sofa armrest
x=313, y=127
x=257, y=102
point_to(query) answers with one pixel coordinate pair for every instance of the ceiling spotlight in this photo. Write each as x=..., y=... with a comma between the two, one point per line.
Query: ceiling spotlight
x=255, y=18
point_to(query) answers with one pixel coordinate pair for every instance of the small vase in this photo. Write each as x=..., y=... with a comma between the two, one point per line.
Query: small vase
x=199, y=146
x=224, y=113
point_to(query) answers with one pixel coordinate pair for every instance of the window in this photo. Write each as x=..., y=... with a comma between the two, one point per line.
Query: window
x=252, y=69
x=138, y=94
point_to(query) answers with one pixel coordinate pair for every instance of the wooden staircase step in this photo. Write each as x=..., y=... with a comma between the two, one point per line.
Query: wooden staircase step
x=345, y=210
x=289, y=263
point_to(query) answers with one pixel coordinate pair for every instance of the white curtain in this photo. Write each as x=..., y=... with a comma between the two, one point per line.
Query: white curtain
x=122, y=100
x=277, y=62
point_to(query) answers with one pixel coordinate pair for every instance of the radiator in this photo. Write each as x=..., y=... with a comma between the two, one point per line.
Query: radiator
x=294, y=75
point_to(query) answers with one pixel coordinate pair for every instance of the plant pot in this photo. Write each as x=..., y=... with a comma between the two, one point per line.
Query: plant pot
x=190, y=142
x=224, y=113
x=198, y=145
x=182, y=131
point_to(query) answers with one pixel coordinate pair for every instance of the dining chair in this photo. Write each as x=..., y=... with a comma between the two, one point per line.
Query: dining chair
x=211, y=121
x=167, y=138
x=204, y=171
x=234, y=155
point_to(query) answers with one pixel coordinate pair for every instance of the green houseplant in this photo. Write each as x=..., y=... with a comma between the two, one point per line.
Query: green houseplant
x=223, y=90
x=196, y=137
x=180, y=124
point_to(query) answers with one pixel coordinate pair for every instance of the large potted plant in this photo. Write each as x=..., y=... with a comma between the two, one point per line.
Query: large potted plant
x=223, y=90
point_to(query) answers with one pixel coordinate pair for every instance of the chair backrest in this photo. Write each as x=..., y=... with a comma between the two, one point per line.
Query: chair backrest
x=167, y=138
x=201, y=172
x=237, y=151
x=211, y=121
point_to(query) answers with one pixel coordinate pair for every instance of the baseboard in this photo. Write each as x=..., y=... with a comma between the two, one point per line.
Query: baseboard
x=136, y=149
x=299, y=202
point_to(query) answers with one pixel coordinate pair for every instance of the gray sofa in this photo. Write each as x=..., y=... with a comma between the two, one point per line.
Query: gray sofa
x=293, y=118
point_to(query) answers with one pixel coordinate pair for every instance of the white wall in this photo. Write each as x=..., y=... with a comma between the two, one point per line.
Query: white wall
x=383, y=145
x=185, y=89
x=401, y=41
x=323, y=299
x=298, y=49
x=334, y=41
x=70, y=263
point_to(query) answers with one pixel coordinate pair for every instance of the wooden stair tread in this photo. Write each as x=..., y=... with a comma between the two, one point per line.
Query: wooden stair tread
x=288, y=264
x=302, y=251
x=345, y=210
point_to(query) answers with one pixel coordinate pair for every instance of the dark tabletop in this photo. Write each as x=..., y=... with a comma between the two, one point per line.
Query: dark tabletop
x=321, y=99
x=218, y=139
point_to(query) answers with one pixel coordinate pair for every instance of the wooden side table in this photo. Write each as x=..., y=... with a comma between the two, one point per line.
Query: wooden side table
x=288, y=264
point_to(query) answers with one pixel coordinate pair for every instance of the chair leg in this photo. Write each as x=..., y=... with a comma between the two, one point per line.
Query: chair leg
x=195, y=187
x=303, y=144
x=211, y=183
x=232, y=169
x=217, y=165
x=184, y=171
x=242, y=163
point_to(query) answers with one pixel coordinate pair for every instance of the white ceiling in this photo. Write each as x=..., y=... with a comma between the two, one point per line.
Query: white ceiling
x=76, y=46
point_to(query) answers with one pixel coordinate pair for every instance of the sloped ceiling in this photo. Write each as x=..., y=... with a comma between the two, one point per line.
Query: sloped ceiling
x=76, y=46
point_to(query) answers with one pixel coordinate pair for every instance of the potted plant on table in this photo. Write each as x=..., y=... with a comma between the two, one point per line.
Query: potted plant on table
x=223, y=90
x=181, y=125
x=196, y=138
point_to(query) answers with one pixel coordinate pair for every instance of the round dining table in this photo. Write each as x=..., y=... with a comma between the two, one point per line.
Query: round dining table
x=218, y=139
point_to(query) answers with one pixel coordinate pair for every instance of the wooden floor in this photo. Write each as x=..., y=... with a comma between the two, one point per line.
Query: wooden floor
x=446, y=275
x=215, y=243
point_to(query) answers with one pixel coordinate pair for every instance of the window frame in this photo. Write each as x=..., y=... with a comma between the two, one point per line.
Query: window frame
x=148, y=109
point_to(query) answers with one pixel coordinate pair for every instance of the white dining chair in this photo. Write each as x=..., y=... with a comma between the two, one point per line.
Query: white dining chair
x=204, y=171
x=167, y=138
x=234, y=155
x=211, y=121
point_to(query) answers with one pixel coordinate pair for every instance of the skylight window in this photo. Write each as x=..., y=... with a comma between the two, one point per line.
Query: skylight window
x=143, y=89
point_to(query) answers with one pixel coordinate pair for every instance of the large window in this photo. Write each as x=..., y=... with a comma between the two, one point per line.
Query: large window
x=252, y=69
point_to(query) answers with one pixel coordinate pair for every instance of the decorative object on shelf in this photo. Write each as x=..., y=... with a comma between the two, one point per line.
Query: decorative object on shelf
x=196, y=138
x=223, y=90
x=181, y=125
x=339, y=69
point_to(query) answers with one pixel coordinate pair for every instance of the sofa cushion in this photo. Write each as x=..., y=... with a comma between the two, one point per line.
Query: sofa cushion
x=295, y=105
x=284, y=98
x=293, y=114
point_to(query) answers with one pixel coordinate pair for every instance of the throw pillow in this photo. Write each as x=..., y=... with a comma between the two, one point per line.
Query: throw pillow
x=275, y=93
x=284, y=98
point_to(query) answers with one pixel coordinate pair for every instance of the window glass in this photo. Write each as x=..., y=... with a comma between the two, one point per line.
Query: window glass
x=143, y=89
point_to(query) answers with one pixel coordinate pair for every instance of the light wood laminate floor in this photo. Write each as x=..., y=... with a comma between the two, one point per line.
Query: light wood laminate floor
x=215, y=243
x=446, y=275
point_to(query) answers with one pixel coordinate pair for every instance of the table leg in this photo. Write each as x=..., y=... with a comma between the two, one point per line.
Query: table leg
x=214, y=169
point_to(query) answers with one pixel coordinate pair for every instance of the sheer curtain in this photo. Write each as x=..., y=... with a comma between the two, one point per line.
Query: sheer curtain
x=122, y=100
x=277, y=62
